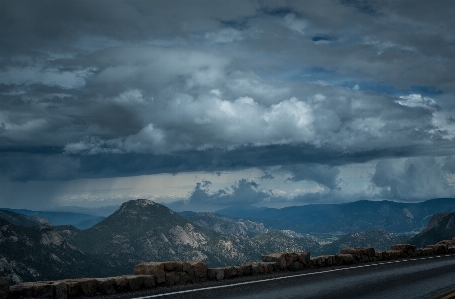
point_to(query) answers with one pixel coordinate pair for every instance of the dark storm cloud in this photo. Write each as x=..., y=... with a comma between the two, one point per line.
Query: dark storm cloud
x=119, y=88
x=413, y=178
x=243, y=192
x=23, y=167
x=322, y=174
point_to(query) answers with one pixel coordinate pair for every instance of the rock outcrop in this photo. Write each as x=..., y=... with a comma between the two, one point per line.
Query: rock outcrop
x=441, y=226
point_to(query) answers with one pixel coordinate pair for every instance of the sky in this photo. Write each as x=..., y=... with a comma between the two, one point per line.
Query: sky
x=202, y=105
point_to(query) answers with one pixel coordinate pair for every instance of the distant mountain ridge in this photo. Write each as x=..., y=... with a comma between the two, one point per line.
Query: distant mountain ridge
x=24, y=220
x=79, y=220
x=394, y=217
x=97, y=211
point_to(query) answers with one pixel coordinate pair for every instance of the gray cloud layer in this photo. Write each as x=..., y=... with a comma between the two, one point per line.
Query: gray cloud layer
x=243, y=192
x=119, y=88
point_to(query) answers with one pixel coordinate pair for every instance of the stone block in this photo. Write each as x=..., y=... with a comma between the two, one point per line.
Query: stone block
x=265, y=268
x=215, y=273
x=43, y=290
x=256, y=269
x=295, y=256
x=73, y=288
x=392, y=254
x=148, y=282
x=88, y=286
x=439, y=248
x=184, y=278
x=121, y=284
x=188, y=269
x=345, y=259
x=275, y=258
x=426, y=251
x=448, y=242
x=329, y=260
x=316, y=261
x=106, y=285
x=367, y=251
x=296, y=266
x=406, y=248
x=23, y=290
x=361, y=252
x=60, y=290
x=151, y=268
x=247, y=268
x=283, y=260
x=348, y=251
x=238, y=270
x=270, y=266
x=5, y=283
x=40, y=289
x=304, y=257
x=197, y=269
x=289, y=258
x=172, y=278
x=173, y=266
x=227, y=272
x=135, y=282
x=232, y=271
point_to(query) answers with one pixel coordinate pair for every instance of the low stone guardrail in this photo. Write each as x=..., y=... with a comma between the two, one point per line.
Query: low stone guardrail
x=151, y=274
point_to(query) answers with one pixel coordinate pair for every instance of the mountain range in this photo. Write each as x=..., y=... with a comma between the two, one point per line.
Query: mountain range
x=138, y=231
x=79, y=220
x=317, y=219
x=142, y=230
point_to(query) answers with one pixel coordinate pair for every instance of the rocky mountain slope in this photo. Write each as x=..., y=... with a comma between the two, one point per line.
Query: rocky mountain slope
x=41, y=253
x=224, y=225
x=379, y=239
x=440, y=227
x=24, y=220
x=142, y=230
x=362, y=215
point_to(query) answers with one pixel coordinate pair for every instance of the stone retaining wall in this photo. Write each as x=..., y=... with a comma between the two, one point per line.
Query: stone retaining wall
x=150, y=274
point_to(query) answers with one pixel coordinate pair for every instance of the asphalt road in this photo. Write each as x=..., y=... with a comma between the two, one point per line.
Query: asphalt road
x=408, y=278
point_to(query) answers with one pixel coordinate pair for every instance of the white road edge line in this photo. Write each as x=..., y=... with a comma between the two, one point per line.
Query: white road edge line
x=275, y=278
